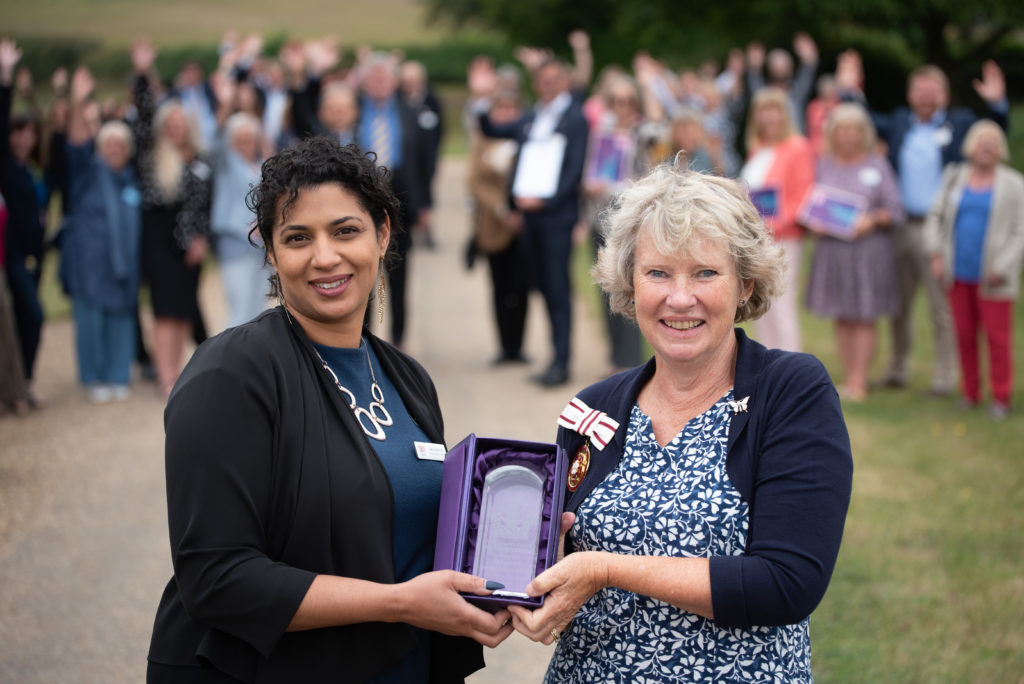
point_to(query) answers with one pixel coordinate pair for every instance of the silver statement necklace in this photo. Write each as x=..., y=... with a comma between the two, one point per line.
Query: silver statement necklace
x=376, y=416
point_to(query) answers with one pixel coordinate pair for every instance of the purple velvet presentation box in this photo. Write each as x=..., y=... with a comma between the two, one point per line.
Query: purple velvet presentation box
x=501, y=506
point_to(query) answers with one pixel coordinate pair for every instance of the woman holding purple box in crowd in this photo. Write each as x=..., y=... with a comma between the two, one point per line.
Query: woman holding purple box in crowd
x=853, y=278
x=302, y=521
x=710, y=506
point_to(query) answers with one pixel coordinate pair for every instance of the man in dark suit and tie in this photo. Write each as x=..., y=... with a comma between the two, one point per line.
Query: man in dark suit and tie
x=388, y=126
x=548, y=215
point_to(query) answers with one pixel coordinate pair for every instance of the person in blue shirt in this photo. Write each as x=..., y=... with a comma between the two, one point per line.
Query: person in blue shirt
x=101, y=257
x=975, y=234
x=922, y=138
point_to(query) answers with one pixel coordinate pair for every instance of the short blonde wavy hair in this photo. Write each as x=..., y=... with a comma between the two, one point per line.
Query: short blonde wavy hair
x=851, y=114
x=980, y=128
x=678, y=207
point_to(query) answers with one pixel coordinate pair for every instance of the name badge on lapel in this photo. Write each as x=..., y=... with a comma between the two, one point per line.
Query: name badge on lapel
x=427, y=451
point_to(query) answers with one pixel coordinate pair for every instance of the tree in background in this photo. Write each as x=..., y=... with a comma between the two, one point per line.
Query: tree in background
x=894, y=35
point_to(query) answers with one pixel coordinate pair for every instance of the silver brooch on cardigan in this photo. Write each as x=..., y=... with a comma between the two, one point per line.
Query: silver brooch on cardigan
x=739, y=406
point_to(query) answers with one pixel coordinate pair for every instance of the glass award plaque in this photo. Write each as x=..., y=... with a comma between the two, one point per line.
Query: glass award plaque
x=508, y=537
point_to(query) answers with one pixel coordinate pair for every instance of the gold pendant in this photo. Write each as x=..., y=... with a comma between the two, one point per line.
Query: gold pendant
x=580, y=466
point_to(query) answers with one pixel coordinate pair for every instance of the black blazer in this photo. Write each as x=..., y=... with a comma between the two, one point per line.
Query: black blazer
x=271, y=481
x=562, y=209
x=406, y=178
x=430, y=129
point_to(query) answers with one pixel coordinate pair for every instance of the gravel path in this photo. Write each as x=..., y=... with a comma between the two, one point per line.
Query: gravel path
x=83, y=539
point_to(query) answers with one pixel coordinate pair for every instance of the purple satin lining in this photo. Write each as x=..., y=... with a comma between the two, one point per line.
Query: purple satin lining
x=541, y=463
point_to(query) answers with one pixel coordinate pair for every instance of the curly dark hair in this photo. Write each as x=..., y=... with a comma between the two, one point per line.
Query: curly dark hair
x=313, y=162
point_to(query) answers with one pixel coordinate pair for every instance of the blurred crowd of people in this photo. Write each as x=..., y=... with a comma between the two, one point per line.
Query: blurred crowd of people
x=888, y=201
x=151, y=183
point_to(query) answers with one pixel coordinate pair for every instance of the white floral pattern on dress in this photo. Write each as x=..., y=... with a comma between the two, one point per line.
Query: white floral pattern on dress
x=671, y=501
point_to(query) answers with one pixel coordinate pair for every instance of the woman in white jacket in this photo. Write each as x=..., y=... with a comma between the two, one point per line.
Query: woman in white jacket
x=976, y=235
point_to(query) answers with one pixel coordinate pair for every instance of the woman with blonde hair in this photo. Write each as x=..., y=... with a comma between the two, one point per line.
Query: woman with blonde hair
x=853, y=278
x=779, y=170
x=975, y=232
x=175, y=217
x=706, y=510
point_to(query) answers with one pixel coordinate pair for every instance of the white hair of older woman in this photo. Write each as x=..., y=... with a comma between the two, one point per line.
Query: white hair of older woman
x=117, y=130
x=239, y=122
x=980, y=128
x=675, y=208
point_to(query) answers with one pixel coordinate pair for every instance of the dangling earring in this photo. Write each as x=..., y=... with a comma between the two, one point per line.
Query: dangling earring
x=275, y=287
x=381, y=292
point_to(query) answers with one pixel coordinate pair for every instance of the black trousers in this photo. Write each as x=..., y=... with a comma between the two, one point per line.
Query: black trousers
x=510, y=286
x=548, y=250
x=27, y=309
x=398, y=274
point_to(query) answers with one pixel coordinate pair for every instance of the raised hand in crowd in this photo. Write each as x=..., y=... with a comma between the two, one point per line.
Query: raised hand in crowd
x=10, y=55
x=481, y=77
x=992, y=86
x=143, y=56
x=322, y=55
x=805, y=48
x=582, y=58
x=229, y=52
x=251, y=48
x=83, y=85
x=225, y=89
x=532, y=57
x=849, y=72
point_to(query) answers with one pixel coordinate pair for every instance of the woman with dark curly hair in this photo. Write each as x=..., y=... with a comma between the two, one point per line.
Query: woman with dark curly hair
x=302, y=497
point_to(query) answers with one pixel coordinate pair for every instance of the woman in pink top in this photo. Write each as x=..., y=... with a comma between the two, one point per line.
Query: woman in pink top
x=779, y=171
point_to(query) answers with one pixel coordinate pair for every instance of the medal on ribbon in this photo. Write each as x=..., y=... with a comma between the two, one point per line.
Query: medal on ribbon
x=579, y=467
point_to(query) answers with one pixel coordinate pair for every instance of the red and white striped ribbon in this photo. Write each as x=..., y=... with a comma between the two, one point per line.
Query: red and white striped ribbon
x=588, y=422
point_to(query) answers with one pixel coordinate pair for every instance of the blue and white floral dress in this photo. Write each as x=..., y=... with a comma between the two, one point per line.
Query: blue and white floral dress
x=671, y=501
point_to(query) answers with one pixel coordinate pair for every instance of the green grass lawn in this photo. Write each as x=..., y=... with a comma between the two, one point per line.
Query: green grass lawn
x=929, y=586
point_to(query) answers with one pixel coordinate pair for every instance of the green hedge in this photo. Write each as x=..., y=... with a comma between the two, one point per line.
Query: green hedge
x=446, y=62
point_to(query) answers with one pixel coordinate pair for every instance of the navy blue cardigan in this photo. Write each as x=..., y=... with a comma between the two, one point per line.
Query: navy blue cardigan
x=788, y=456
